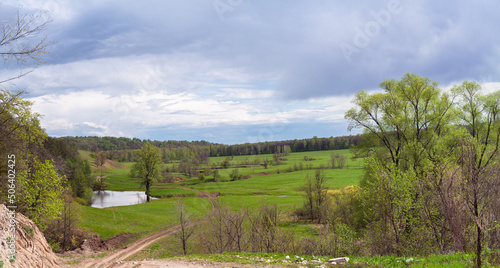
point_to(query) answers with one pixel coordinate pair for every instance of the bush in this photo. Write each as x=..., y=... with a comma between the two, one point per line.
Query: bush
x=96, y=185
x=235, y=175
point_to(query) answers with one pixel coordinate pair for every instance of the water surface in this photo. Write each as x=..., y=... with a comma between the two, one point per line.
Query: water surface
x=104, y=199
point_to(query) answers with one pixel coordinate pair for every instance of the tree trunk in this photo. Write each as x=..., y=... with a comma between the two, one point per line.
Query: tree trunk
x=478, y=248
x=148, y=198
x=479, y=234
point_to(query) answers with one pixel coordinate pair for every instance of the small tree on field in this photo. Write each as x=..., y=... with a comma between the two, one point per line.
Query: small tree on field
x=277, y=158
x=186, y=230
x=315, y=192
x=148, y=165
x=99, y=161
x=235, y=175
x=338, y=160
x=215, y=174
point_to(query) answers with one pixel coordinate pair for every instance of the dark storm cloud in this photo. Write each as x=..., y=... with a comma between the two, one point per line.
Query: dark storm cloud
x=302, y=41
x=287, y=51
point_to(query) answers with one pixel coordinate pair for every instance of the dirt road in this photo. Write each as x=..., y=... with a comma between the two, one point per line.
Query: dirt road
x=115, y=258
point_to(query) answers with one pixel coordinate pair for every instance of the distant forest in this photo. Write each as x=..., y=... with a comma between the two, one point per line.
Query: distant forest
x=122, y=149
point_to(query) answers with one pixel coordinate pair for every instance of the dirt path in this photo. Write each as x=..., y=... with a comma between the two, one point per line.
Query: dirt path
x=115, y=258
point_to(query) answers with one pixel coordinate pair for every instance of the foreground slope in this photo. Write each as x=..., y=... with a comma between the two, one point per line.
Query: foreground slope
x=31, y=246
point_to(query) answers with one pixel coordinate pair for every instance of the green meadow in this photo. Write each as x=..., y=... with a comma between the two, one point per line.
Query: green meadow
x=142, y=218
x=278, y=185
x=275, y=184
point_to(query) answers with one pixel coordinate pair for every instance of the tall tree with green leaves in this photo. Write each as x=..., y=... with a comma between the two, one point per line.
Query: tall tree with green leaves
x=403, y=122
x=410, y=136
x=481, y=117
x=148, y=166
x=43, y=190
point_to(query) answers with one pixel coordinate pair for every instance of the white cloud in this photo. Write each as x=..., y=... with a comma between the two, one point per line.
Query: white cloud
x=97, y=113
x=124, y=69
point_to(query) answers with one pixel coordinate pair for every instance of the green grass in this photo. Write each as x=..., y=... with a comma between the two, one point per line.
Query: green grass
x=262, y=181
x=141, y=218
x=123, y=182
x=438, y=260
x=290, y=260
x=171, y=192
x=283, y=190
x=281, y=184
x=252, y=202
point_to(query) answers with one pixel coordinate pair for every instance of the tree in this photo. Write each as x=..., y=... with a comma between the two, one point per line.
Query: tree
x=277, y=158
x=81, y=186
x=315, y=192
x=99, y=161
x=42, y=190
x=21, y=44
x=432, y=174
x=287, y=150
x=405, y=122
x=338, y=160
x=148, y=166
x=18, y=126
x=65, y=230
x=186, y=231
x=409, y=133
x=215, y=174
x=480, y=115
x=235, y=174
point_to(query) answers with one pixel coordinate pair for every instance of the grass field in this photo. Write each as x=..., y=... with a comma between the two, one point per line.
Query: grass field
x=277, y=185
x=141, y=218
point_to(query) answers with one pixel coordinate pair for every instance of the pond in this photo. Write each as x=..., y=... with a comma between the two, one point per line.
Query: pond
x=104, y=199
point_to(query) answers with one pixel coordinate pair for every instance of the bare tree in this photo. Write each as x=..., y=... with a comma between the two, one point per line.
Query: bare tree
x=264, y=227
x=186, y=230
x=68, y=221
x=235, y=229
x=315, y=192
x=224, y=231
x=215, y=238
x=21, y=44
x=99, y=161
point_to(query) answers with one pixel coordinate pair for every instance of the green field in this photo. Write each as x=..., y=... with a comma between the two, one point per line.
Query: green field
x=277, y=185
x=141, y=218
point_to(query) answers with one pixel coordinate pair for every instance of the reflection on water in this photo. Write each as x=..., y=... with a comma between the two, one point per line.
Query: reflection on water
x=104, y=199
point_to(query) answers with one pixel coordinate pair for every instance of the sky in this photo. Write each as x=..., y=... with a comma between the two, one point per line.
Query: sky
x=237, y=71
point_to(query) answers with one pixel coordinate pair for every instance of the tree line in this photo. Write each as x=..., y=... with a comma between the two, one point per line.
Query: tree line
x=124, y=149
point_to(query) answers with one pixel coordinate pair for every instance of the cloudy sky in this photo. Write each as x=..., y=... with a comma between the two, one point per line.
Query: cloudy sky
x=235, y=71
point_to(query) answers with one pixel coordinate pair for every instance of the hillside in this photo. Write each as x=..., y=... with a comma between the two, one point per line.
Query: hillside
x=32, y=250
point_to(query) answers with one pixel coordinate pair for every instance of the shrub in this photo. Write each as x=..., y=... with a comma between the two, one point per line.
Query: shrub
x=235, y=175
